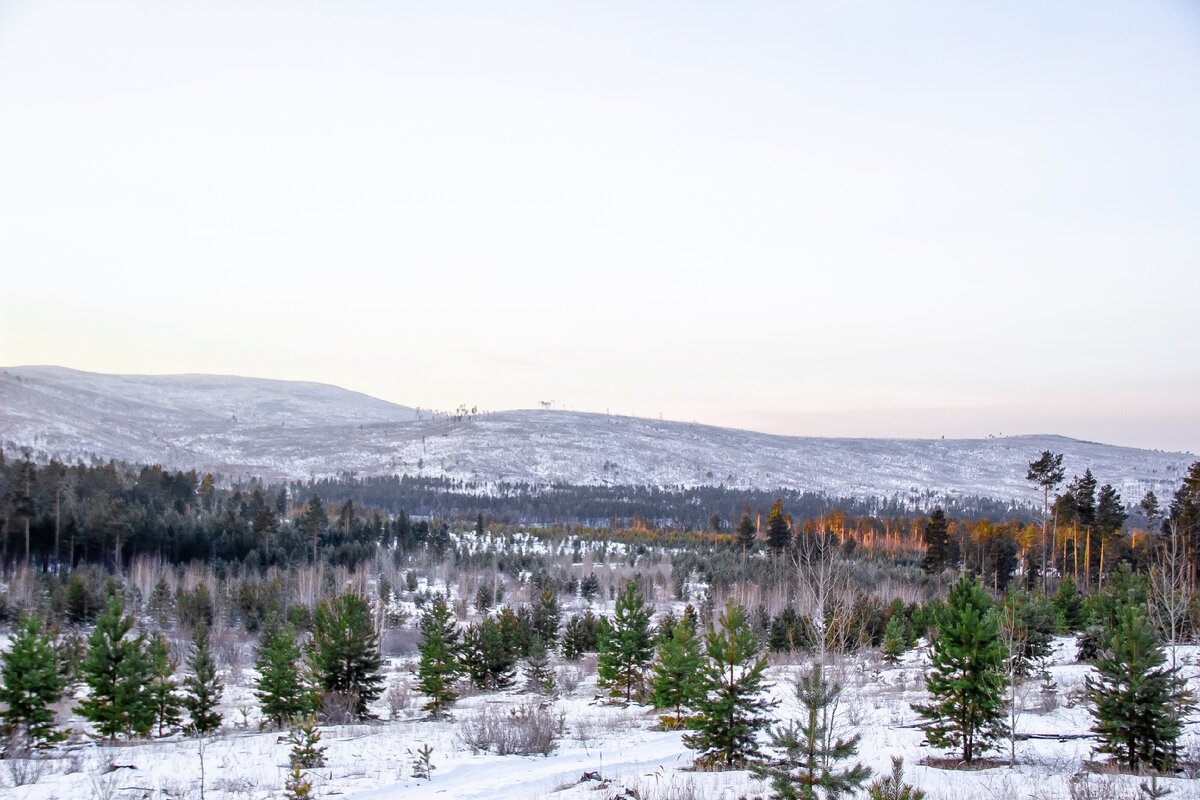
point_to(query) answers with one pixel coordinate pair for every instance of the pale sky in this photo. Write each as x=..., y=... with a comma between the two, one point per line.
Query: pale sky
x=836, y=218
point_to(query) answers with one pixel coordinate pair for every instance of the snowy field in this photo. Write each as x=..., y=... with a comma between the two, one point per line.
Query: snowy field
x=619, y=746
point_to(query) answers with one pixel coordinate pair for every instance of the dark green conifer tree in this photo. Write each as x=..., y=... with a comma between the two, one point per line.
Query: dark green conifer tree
x=895, y=639
x=967, y=681
x=1136, y=700
x=168, y=708
x=579, y=636
x=117, y=672
x=344, y=653
x=745, y=532
x=733, y=711
x=779, y=532
x=626, y=646
x=539, y=677
x=546, y=618
x=439, y=666
x=677, y=684
x=941, y=551
x=281, y=691
x=809, y=751
x=203, y=686
x=30, y=684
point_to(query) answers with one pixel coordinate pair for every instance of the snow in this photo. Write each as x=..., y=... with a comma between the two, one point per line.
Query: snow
x=374, y=761
x=286, y=430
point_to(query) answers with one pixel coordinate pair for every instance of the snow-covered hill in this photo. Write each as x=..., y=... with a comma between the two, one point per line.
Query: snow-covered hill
x=278, y=429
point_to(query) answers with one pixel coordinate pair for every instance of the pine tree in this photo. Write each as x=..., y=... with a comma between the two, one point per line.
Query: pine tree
x=167, y=705
x=745, y=531
x=893, y=786
x=280, y=690
x=677, y=683
x=1047, y=472
x=1135, y=698
x=810, y=749
x=546, y=618
x=626, y=647
x=117, y=672
x=539, y=677
x=733, y=711
x=779, y=532
x=30, y=684
x=344, y=653
x=895, y=639
x=967, y=681
x=306, y=752
x=439, y=665
x=579, y=635
x=488, y=657
x=589, y=587
x=203, y=687
x=941, y=551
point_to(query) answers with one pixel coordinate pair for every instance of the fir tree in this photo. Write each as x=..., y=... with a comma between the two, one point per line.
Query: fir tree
x=732, y=713
x=810, y=750
x=280, y=690
x=967, y=680
x=1135, y=698
x=589, y=587
x=677, y=683
x=626, y=647
x=202, y=688
x=344, y=652
x=167, y=705
x=117, y=673
x=439, y=665
x=30, y=684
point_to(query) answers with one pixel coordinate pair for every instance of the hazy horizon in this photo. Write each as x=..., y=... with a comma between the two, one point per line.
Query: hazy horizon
x=935, y=219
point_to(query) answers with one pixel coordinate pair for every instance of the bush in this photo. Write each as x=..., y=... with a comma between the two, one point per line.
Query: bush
x=526, y=730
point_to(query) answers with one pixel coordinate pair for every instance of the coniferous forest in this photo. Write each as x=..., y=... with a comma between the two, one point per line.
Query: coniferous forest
x=170, y=610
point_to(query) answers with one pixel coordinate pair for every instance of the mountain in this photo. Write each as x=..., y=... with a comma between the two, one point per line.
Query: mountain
x=283, y=429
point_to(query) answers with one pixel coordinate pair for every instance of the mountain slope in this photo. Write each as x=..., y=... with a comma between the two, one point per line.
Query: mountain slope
x=280, y=429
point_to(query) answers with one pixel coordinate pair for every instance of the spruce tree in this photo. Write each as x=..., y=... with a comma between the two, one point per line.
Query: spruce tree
x=733, y=710
x=117, y=672
x=745, y=532
x=967, y=680
x=439, y=664
x=344, y=653
x=579, y=635
x=941, y=551
x=281, y=692
x=677, y=684
x=626, y=646
x=167, y=705
x=203, y=686
x=810, y=750
x=1136, y=700
x=30, y=684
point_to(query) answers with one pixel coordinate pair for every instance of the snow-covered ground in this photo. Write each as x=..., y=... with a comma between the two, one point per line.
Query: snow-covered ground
x=279, y=429
x=620, y=744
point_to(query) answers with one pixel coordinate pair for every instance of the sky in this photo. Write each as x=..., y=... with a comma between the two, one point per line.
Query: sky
x=836, y=219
